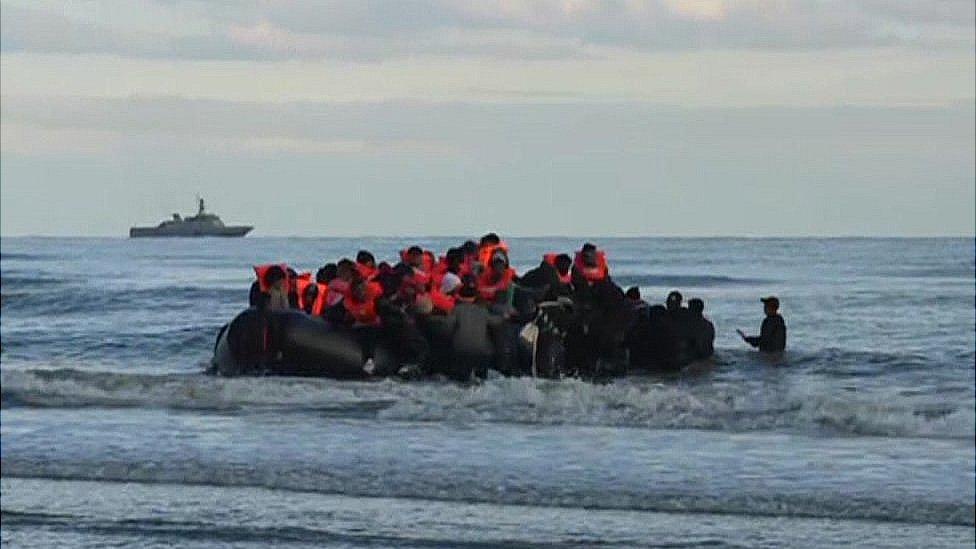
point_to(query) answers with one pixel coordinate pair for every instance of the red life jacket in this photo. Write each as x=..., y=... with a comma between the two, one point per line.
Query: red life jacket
x=321, y=300
x=438, y=272
x=593, y=274
x=364, y=312
x=485, y=254
x=489, y=289
x=467, y=266
x=421, y=274
x=441, y=301
x=262, y=272
x=563, y=278
x=369, y=273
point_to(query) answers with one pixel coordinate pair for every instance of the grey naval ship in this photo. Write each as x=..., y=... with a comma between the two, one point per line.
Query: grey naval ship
x=202, y=224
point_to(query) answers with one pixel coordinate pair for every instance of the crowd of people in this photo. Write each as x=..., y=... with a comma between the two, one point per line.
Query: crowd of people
x=483, y=306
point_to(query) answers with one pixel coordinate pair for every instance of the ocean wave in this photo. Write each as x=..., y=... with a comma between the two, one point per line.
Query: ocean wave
x=298, y=477
x=631, y=402
x=685, y=280
x=71, y=300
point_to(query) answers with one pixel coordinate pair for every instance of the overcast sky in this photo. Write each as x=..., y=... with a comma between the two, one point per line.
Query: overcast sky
x=543, y=117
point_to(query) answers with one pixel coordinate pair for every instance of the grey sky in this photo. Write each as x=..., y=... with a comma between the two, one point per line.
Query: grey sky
x=531, y=118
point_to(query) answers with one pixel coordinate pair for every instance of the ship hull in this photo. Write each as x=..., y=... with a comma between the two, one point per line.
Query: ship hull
x=189, y=232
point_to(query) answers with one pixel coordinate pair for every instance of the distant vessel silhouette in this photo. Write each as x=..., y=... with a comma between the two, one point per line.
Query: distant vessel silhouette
x=202, y=224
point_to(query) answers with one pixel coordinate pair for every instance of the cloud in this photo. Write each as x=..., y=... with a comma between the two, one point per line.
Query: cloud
x=373, y=30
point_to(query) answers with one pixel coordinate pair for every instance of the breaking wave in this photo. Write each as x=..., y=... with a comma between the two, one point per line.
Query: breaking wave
x=631, y=402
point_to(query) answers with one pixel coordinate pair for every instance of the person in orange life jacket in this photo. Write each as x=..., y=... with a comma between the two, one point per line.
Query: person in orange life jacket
x=270, y=290
x=307, y=292
x=490, y=243
x=414, y=257
x=335, y=312
x=551, y=279
x=366, y=264
x=363, y=317
x=450, y=281
x=469, y=260
x=590, y=265
x=495, y=284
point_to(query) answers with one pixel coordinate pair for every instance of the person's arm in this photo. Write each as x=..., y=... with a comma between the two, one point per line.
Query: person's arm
x=751, y=340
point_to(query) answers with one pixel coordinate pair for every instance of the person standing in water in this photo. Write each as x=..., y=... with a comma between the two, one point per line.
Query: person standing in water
x=772, y=335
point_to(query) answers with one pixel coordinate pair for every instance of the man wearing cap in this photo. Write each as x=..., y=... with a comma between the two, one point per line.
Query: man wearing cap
x=772, y=335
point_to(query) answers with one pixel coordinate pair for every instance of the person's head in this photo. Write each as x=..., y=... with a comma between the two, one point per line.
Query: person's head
x=274, y=277
x=499, y=261
x=633, y=293
x=454, y=258
x=408, y=287
x=674, y=301
x=470, y=248
x=326, y=273
x=363, y=257
x=588, y=253
x=344, y=269
x=696, y=306
x=770, y=305
x=563, y=263
x=415, y=256
x=468, y=292
x=490, y=239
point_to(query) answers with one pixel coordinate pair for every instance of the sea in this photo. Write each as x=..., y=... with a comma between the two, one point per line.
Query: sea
x=861, y=434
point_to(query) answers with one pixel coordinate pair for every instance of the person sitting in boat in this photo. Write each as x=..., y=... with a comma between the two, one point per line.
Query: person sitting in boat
x=469, y=263
x=471, y=326
x=634, y=299
x=495, y=283
x=590, y=266
x=362, y=316
x=335, y=312
x=551, y=279
x=366, y=264
x=270, y=290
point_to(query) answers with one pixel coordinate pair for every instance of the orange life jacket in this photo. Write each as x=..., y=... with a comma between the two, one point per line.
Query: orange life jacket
x=262, y=272
x=369, y=273
x=441, y=301
x=485, y=254
x=563, y=278
x=321, y=300
x=422, y=274
x=364, y=312
x=593, y=274
x=488, y=289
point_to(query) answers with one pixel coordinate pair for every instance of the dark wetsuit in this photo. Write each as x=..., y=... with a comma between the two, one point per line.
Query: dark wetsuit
x=471, y=341
x=704, y=338
x=772, y=335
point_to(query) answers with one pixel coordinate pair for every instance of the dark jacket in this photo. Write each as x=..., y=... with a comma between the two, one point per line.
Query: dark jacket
x=469, y=325
x=704, y=338
x=545, y=278
x=772, y=335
